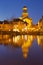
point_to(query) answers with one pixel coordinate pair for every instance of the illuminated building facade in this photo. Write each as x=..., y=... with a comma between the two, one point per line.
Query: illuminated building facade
x=40, y=24
x=21, y=24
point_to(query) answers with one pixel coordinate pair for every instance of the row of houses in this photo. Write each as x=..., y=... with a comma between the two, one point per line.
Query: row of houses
x=14, y=25
x=40, y=24
x=20, y=25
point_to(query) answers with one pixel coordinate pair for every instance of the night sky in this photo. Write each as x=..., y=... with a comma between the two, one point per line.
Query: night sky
x=13, y=8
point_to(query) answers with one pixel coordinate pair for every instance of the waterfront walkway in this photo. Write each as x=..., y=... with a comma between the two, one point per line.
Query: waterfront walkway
x=20, y=33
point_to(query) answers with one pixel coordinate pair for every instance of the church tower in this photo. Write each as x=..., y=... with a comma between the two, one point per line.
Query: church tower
x=25, y=13
x=25, y=17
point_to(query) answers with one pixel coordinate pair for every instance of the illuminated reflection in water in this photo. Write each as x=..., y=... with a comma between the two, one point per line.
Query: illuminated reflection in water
x=29, y=47
x=40, y=41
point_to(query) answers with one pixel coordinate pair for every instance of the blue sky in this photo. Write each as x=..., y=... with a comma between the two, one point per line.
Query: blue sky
x=13, y=8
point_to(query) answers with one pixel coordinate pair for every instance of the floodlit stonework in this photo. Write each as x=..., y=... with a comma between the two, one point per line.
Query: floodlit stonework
x=22, y=24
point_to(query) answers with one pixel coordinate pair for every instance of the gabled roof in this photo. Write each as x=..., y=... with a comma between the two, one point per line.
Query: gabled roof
x=1, y=22
x=18, y=20
x=41, y=19
x=6, y=22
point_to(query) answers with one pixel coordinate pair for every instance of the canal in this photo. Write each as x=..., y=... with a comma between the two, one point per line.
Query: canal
x=21, y=50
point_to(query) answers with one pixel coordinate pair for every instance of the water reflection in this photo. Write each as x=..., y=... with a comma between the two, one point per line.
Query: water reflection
x=26, y=45
x=23, y=41
x=40, y=41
